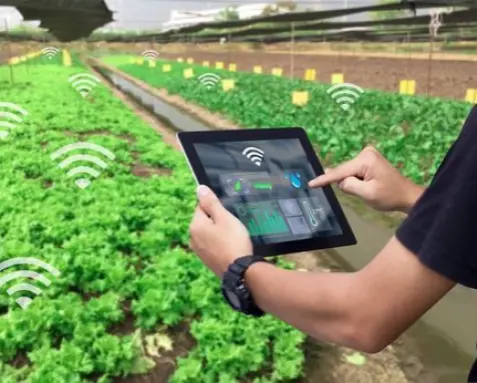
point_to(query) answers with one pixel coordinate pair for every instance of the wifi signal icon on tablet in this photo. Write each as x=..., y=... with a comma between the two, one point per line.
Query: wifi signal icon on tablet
x=254, y=154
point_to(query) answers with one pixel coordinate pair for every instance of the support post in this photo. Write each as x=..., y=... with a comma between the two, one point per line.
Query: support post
x=9, y=49
x=292, y=51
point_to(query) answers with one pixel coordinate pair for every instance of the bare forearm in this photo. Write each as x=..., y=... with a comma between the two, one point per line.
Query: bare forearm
x=412, y=195
x=319, y=304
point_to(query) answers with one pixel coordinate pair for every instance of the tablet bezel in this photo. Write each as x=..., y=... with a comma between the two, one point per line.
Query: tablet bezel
x=187, y=141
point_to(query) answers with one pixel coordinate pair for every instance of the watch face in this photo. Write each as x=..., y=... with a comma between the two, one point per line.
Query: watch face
x=232, y=298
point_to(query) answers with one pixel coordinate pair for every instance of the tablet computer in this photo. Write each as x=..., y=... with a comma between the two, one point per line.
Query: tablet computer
x=261, y=176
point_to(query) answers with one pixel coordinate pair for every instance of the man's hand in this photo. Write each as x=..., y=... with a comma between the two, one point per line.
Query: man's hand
x=217, y=236
x=371, y=177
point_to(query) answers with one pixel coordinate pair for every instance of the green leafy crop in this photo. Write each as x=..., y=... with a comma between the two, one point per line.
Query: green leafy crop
x=121, y=247
x=413, y=132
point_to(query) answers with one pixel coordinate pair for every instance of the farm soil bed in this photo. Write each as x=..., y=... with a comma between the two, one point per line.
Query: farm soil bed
x=4, y=56
x=167, y=362
x=449, y=79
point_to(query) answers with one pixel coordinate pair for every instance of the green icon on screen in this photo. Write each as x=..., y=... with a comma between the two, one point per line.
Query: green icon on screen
x=263, y=218
x=263, y=186
x=238, y=186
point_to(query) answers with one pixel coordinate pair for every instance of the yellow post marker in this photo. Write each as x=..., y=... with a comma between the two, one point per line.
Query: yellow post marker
x=337, y=78
x=180, y=60
x=471, y=96
x=132, y=60
x=14, y=61
x=140, y=61
x=277, y=72
x=66, y=58
x=188, y=73
x=166, y=68
x=233, y=67
x=219, y=65
x=257, y=69
x=403, y=87
x=228, y=85
x=300, y=98
x=206, y=64
x=152, y=63
x=310, y=75
x=407, y=87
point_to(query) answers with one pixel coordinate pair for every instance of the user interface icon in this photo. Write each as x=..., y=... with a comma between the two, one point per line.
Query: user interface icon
x=295, y=179
x=254, y=154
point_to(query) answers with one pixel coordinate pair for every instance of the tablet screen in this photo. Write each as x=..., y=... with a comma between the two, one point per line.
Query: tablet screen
x=265, y=185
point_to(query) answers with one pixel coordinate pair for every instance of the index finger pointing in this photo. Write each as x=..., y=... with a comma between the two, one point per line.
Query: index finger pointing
x=345, y=170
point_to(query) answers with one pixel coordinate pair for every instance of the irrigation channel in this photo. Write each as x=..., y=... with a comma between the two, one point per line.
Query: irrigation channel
x=443, y=341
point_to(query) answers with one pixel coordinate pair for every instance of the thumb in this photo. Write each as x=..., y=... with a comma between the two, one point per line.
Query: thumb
x=354, y=186
x=209, y=202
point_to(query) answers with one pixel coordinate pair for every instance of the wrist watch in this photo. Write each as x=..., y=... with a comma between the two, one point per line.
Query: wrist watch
x=234, y=290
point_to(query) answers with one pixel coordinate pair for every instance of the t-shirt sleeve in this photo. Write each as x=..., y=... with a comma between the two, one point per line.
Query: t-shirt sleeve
x=442, y=227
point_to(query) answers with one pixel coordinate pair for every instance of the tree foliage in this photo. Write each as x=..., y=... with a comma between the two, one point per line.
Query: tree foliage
x=388, y=15
x=279, y=6
x=229, y=14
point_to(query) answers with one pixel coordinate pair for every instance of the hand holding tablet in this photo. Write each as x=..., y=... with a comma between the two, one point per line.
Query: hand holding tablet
x=261, y=176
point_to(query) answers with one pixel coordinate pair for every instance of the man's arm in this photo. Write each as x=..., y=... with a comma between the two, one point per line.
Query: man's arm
x=372, y=178
x=365, y=310
x=414, y=193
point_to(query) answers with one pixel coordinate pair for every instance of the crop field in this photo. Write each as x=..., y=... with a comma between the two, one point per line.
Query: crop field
x=100, y=281
x=448, y=78
x=413, y=132
x=130, y=298
x=127, y=301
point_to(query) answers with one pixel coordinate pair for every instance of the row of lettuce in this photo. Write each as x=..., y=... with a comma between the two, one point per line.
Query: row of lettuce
x=127, y=275
x=413, y=132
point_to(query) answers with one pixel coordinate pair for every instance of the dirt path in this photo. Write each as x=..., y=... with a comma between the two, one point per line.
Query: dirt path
x=449, y=79
x=389, y=50
x=400, y=56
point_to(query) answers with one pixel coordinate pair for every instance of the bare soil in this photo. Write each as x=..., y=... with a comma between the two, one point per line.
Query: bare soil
x=448, y=79
x=144, y=171
x=126, y=326
x=5, y=56
x=166, y=364
x=20, y=360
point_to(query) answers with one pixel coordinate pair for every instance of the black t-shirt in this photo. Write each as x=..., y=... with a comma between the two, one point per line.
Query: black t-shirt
x=441, y=229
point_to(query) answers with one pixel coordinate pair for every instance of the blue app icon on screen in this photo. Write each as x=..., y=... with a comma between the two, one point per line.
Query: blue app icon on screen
x=295, y=179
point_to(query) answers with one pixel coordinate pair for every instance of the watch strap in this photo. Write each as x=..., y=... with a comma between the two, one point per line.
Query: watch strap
x=233, y=278
x=241, y=265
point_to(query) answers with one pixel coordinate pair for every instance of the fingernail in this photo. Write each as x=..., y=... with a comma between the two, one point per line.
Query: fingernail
x=202, y=191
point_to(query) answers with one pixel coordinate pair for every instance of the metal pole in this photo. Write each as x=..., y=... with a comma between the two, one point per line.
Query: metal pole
x=434, y=25
x=9, y=49
x=229, y=47
x=292, y=51
x=409, y=54
x=429, y=63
